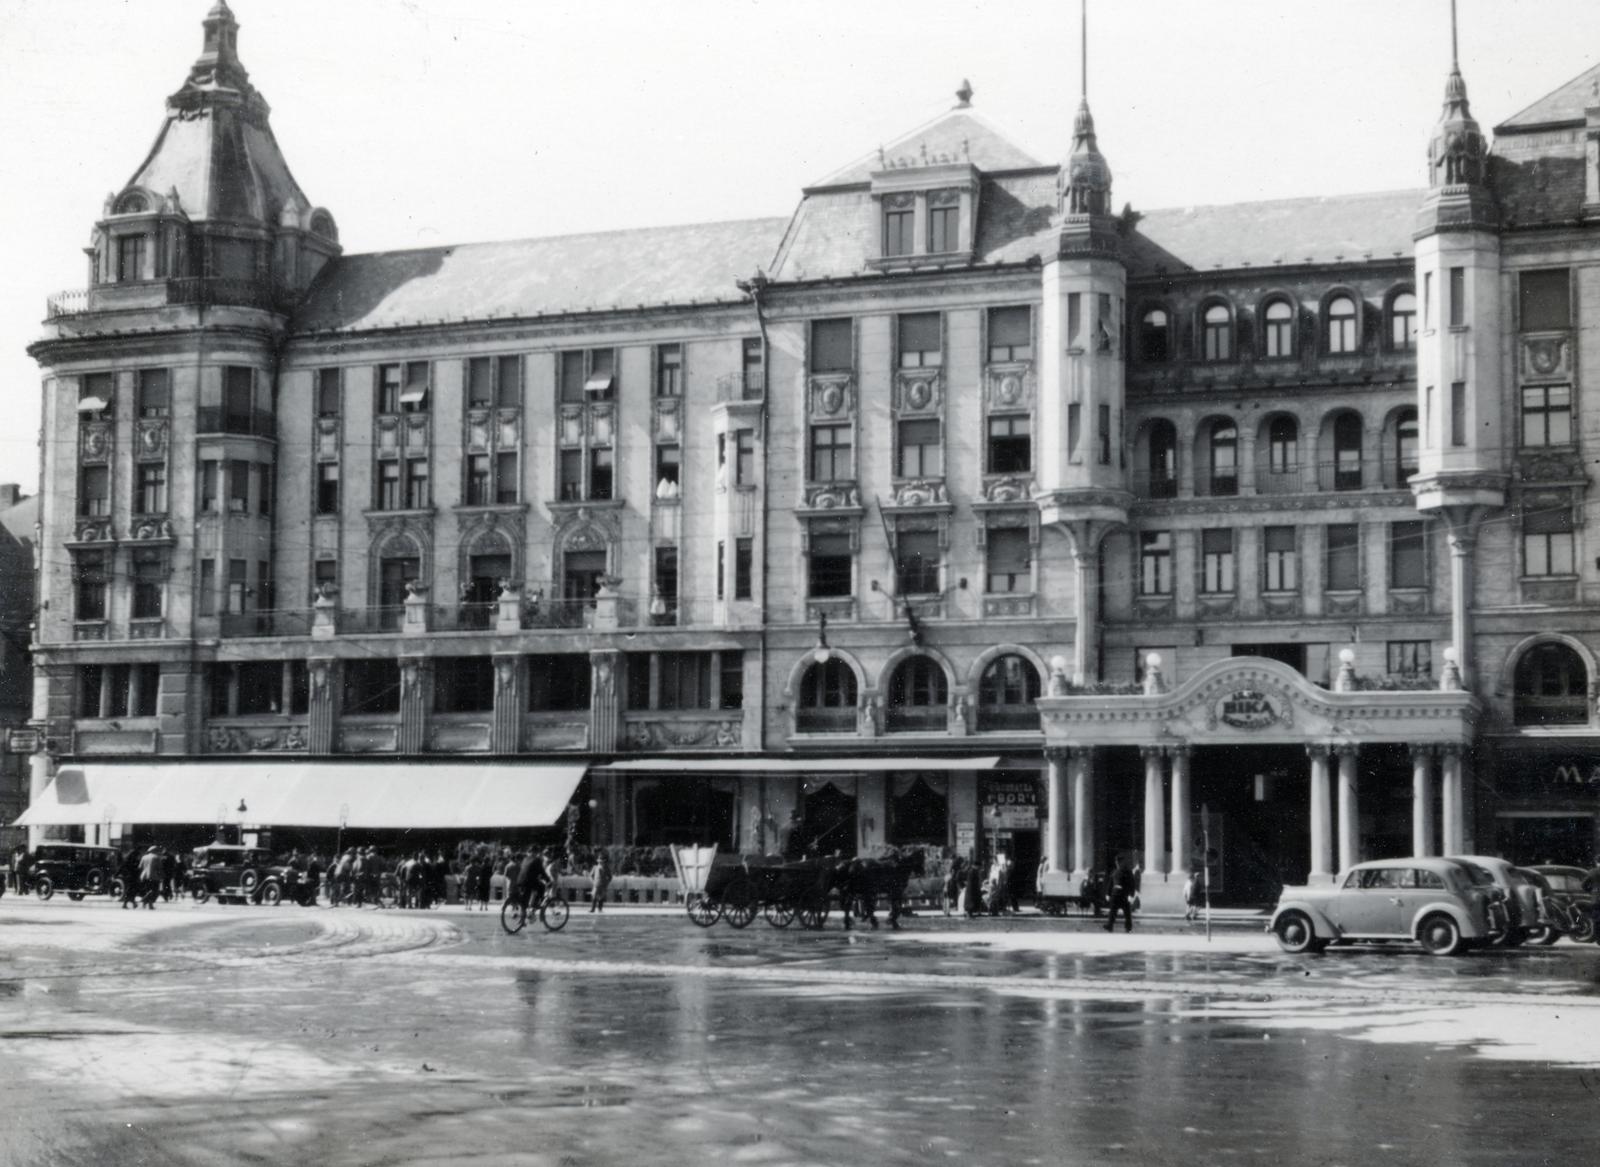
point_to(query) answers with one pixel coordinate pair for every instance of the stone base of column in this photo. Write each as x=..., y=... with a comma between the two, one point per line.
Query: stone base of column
x=1162, y=898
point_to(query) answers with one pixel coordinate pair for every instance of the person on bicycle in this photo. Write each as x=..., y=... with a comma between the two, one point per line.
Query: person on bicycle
x=532, y=879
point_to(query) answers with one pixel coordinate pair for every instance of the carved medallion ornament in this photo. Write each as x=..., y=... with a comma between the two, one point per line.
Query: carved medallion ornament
x=94, y=443
x=1008, y=488
x=1249, y=709
x=93, y=531
x=151, y=529
x=918, y=394
x=921, y=492
x=833, y=496
x=1010, y=388
x=1544, y=356
x=152, y=439
x=831, y=397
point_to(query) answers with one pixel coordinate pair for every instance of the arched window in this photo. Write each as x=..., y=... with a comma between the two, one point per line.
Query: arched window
x=1224, y=458
x=1552, y=687
x=827, y=699
x=1217, y=338
x=1347, y=452
x=1278, y=329
x=1006, y=693
x=1163, y=460
x=1341, y=325
x=1282, y=475
x=918, y=694
x=1154, y=346
x=1405, y=446
x=1403, y=322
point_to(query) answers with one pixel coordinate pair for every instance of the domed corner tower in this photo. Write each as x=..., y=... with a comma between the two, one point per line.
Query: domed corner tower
x=159, y=430
x=1082, y=471
x=1463, y=461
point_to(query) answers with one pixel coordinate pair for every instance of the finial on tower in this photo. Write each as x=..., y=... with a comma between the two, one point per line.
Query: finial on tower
x=1083, y=49
x=1084, y=185
x=1457, y=148
x=964, y=94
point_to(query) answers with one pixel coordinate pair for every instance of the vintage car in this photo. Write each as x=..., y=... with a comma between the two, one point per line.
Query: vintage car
x=1434, y=902
x=1522, y=895
x=75, y=869
x=246, y=874
x=1569, y=909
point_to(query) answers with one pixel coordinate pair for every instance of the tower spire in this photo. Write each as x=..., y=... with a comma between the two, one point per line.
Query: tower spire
x=1457, y=148
x=1083, y=51
x=1084, y=185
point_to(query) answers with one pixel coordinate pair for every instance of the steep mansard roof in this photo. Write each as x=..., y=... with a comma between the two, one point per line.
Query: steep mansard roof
x=1537, y=161
x=1562, y=106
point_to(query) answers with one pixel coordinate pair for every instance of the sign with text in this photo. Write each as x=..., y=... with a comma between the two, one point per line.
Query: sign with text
x=1247, y=709
x=1011, y=804
x=1560, y=775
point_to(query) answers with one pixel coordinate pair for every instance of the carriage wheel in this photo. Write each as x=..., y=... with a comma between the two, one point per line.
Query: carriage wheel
x=812, y=914
x=779, y=915
x=703, y=910
x=739, y=903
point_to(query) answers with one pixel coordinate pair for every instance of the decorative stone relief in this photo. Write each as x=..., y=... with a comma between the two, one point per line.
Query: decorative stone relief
x=1403, y=603
x=448, y=738
x=1010, y=604
x=416, y=432
x=152, y=439
x=368, y=739
x=918, y=394
x=832, y=496
x=657, y=735
x=151, y=529
x=327, y=439
x=1010, y=388
x=388, y=434
x=510, y=421
x=93, y=531
x=667, y=418
x=477, y=430
x=1342, y=603
x=1008, y=488
x=1546, y=356
x=94, y=442
x=921, y=492
x=234, y=739
x=832, y=397
x=602, y=418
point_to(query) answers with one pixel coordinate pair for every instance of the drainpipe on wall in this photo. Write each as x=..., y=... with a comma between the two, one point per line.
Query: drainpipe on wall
x=755, y=288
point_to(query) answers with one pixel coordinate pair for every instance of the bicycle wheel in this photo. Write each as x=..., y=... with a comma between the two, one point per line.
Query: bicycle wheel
x=512, y=917
x=553, y=914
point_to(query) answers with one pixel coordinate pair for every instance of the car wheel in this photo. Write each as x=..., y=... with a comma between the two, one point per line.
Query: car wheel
x=200, y=892
x=1440, y=935
x=74, y=896
x=248, y=879
x=1543, y=935
x=94, y=883
x=271, y=895
x=44, y=887
x=1295, y=933
x=1584, y=932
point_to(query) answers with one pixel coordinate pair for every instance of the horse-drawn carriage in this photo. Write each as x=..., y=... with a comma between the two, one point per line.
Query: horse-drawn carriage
x=804, y=890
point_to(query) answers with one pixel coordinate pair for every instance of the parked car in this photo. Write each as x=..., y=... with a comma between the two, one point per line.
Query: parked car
x=1522, y=896
x=246, y=874
x=1569, y=909
x=75, y=869
x=1431, y=901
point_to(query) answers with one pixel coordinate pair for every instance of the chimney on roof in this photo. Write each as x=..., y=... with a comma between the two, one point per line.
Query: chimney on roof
x=10, y=495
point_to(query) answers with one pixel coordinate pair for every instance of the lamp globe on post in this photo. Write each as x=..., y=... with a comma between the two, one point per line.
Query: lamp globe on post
x=1346, y=680
x=1153, y=682
x=1058, y=676
x=1450, y=675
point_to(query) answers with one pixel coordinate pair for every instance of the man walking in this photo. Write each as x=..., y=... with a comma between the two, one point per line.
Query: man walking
x=1122, y=889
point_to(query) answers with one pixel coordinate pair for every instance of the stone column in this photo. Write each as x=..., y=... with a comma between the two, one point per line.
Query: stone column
x=413, y=704
x=605, y=701
x=1081, y=764
x=1321, y=836
x=1086, y=565
x=322, y=717
x=1422, y=838
x=1182, y=815
x=1349, y=806
x=506, y=732
x=1463, y=539
x=1056, y=801
x=1155, y=811
x=1452, y=825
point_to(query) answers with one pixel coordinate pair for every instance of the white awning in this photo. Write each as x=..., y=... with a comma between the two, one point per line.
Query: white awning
x=802, y=765
x=389, y=795
x=599, y=383
x=413, y=394
x=92, y=404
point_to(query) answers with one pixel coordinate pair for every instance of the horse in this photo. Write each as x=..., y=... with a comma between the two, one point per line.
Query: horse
x=862, y=881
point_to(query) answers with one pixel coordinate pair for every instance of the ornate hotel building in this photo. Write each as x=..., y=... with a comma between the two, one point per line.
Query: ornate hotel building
x=955, y=507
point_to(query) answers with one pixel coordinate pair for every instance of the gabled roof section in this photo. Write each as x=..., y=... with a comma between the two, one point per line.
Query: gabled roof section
x=1564, y=106
x=608, y=271
x=959, y=135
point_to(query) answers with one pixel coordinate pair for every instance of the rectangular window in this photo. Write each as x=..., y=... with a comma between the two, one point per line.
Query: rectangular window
x=1458, y=296
x=210, y=484
x=944, y=228
x=508, y=382
x=91, y=577
x=370, y=686
x=668, y=470
x=600, y=465
x=1155, y=563
x=1408, y=554
x=94, y=491
x=1344, y=558
x=330, y=392
x=480, y=382
x=208, y=587
x=1403, y=324
x=238, y=487
x=391, y=380
x=1458, y=413
x=1545, y=300
x=463, y=684
x=130, y=258
x=155, y=394
x=743, y=568
x=1011, y=444
x=1427, y=416
x=152, y=488
x=558, y=683
x=1216, y=561
x=899, y=230
x=1074, y=431
x=1281, y=560
x=832, y=346
x=571, y=473
x=1010, y=334
x=324, y=575
x=830, y=566
x=94, y=394
x=149, y=584
x=417, y=495
x=753, y=367
x=919, y=345
x=262, y=473
x=238, y=584
x=238, y=398
x=731, y=667
x=1427, y=299
x=1547, y=415
x=572, y=378
x=831, y=451
x=669, y=370
x=1074, y=318
x=722, y=569
x=921, y=451
x=478, y=480
x=388, y=485
x=666, y=585
x=685, y=680
x=1007, y=560
x=916, y=563
x=1410, y=658
x=506, y=480
x=1103, y=413
x=744, y=457
x=1547, y=539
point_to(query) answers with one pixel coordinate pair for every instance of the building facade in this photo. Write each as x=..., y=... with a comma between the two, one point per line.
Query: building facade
x=952, y=509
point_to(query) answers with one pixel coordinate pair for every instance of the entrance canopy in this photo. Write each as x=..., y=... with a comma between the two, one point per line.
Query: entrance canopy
x=802, y=765
x=309, y=794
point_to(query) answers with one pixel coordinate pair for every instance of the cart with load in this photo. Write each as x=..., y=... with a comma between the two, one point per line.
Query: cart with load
x=738, y=890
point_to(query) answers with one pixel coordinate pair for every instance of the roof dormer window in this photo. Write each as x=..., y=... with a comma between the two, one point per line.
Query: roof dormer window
x=925, y=213
x=899, y=224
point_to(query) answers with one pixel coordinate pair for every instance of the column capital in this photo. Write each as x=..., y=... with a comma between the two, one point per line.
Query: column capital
x=1449, y=750
x=1180, y=751
x=1347, y=749
x=1057, y=755
x=1421, y=751
x=1081, y=753
x=1318, y=751
x=1149, y=752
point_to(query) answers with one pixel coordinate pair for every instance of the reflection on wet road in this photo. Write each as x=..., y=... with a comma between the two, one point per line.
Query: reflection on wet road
x=354, y=1038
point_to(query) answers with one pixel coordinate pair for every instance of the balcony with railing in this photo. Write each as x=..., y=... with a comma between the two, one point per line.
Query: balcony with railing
x=376, y=618
x=825, y=719
x=1154, y=484
x=1008, y=718
x=916, y=718
x=267, y=622
x=467, y=616
x=749, y=385
x=254, y=423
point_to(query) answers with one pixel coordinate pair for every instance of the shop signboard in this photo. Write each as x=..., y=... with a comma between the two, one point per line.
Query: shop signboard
x=966, y=837
x=1555, y=776
x=1011, y=805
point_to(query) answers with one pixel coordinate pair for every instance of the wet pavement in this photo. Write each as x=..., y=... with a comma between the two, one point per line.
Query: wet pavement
x=218, y=1035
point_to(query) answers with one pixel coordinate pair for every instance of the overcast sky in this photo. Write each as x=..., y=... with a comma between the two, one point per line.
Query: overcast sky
x=419, y=122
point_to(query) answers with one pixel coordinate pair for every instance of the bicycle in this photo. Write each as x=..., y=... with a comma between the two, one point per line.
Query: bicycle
x=552, y=911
